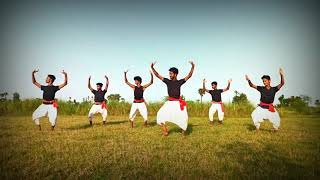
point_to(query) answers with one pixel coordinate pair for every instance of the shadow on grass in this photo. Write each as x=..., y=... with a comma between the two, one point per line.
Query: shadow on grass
x=117, y=122
x=87, y=125
x=78, y=127
x=177, y=129
x=262, y=163
x=250, y=127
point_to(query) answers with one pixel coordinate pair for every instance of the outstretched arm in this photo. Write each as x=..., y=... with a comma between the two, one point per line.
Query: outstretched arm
x=89, y=84
x=126, y=80
x=65, y=80
x=191, y=71
x=228, y=87
x=107, y=83
x=34, y=79
x=155, y=72
x=250, y=83
x=149, y=84
x=282, y=78
x=204, y=86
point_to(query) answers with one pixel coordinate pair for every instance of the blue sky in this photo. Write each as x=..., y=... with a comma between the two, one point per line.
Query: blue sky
x=225, y=41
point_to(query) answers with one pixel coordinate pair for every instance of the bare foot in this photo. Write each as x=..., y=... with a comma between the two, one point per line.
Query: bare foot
x=131, y=124
x=184, y=133
x=52, y=128
x=211, y=123
x=104, y=123
x=90, y=122
x=39, y=127
x=164, y=130
x=145, y=124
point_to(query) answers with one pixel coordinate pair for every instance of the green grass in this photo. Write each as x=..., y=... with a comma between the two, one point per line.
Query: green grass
x=233, y=150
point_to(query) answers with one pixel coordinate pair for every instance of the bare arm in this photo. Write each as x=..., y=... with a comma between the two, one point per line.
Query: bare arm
x=149, y=84
x=191, y=71
x=155, y=72
x=204, y=86
x=34, y=79
x=228, y=87
x=65, y=80
x=107, y=83
x=89, y=84
x=250, y=83
x=282, y=78
x=126, y=80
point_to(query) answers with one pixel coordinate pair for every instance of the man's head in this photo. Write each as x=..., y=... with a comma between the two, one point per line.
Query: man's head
x=50, y=78
x=173, y=73
x=99, y=86
x=214, y=85
x=266, y=80
x=137, y=80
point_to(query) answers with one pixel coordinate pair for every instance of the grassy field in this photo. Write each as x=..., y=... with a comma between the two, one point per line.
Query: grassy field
x=233, y=150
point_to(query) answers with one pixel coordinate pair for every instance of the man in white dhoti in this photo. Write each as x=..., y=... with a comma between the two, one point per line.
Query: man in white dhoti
x=217, y=104
x=265, y=109
x=49, y=104
x=99, y=105
x=175, y=109
x=138, y=102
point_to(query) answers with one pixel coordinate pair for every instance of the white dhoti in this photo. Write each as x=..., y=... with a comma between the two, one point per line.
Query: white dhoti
x=216, y=107
x=260, y=114
x=97, y=108
x=171, y=112
x=45, y=110
x=141, y=107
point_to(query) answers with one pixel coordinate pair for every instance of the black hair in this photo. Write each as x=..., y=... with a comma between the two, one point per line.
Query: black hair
x=52, y=77
x=99, y=84
x=266, y=77
x=138, y=78
x=174, y=70
x=214, y=83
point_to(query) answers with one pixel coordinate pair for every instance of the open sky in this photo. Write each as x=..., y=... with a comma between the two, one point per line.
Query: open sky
x=225, y=39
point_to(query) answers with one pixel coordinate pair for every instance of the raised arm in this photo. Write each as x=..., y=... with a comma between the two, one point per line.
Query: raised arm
x=155, y=72
x=107, y=83
x=282, y=78
x=65, y=80
x=191, y=71
x=228, y=87
x=34, y=79
x=149, y=84
x=250, y=83
x=204, y=86
x=89, y=84
x=126, y=80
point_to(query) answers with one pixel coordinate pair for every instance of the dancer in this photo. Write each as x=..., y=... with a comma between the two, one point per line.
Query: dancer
x=138, y=102
x=99, y=105
x=217, y=104
x=175, y=109
x=49, y=105
x=265, y=109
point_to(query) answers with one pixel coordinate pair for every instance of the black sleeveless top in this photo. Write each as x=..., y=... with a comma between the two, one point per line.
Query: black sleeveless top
x=138, y=93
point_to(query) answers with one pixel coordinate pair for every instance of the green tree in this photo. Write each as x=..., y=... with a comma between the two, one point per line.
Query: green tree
x=240, y=98
x=201, y=92
x=16, y=96
x=114, y=97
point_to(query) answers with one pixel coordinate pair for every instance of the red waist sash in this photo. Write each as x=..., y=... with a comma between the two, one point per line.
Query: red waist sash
x=138, y=100
x=103, y=104
x=181, y=101
x=53, y=102
x=271, y=107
